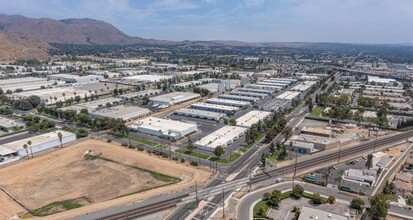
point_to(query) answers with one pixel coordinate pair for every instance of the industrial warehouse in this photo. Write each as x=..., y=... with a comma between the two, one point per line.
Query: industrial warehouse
x=196, y=113
x=126, y=113
x=164, y=128
x=249, y=94
x=173, y=98
x=268, y=92
x=251, y=118
x=239, y=98
x=222, y=137
x=214, y=107
x=227, y=102
x=140, y=94
x=39, y=143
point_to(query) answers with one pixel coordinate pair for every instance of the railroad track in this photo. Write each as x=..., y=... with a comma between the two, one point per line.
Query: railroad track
x=329, y=157
x=145, y=210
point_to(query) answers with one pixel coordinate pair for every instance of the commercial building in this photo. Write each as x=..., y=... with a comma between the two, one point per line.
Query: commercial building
x=303, y=147
x=186, y=85
x=227, y=102
x=365, y=177
x=289, y=80
x=288, y=95
x=173, y=98
x=239, y=98
x=268, y=92
x=196, y=113
x=304, y=86
x=8, y=124
x=125, y=113
x=54, y=95
x=282, y=85
x=140, y=94
x=94, y=105
x=374, y=80
x=39, y=143
x=70, y=78
x=251, y=118
x=146, y=78
x=264, y=87
x=214, y=107
x=274, y=105
x=279, y=81
x=214, y=87
x=249, y=94
x=26, y=84
x=317, y=131
x=164, y=128
x=311, y=213
x=223, y=137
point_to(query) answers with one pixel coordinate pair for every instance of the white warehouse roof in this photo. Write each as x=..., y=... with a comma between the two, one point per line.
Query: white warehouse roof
x=222, y=137
x=251, y=118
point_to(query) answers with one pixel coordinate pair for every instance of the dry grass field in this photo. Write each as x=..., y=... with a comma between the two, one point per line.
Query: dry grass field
x=93, y=183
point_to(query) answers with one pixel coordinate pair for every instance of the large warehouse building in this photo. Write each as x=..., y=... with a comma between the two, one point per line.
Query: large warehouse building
x=196, y=113
x=239, y=98
x=222, y=137
x=39, y=143
x=251, y=118
x=228, y=102
x=268, y=92
x=173, y=98
x=123, y=112
x=70, y=78
x=164, y=128
x=214, y=107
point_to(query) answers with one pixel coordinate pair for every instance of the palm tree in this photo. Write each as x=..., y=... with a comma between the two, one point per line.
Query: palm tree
x=64, y=96
x=30, y=145
x=27, y=152
x=60, y=139
x=55, y=99
x=51, y=100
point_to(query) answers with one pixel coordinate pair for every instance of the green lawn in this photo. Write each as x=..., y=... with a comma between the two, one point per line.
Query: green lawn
x=262, y=205
x=233, y=157
x=193, y=154
x=146, y=142
x=317, y=111
x=243, y=149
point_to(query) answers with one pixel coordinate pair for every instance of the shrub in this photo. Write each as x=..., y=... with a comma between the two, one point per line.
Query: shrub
x=298, y=191
x=141, y=149
x=109, y=140
x=182, y=160
x=149, y=151
x=175, y=158
x=194, y=163
x=165, y=155
x=124, y=144
x=317, y=199
x=331, y=199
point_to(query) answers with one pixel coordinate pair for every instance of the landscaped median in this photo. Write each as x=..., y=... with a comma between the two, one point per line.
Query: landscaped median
x=146, y=142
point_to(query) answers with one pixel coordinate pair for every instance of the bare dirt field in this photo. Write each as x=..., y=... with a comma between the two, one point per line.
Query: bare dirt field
x=66, y=175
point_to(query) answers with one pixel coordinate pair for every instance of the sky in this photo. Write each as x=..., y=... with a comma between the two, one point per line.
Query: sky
x=345, y=21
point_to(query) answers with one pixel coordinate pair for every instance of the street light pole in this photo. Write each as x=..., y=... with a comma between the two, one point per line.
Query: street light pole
x=295, y=166
x=375, y=142
x=339, y=153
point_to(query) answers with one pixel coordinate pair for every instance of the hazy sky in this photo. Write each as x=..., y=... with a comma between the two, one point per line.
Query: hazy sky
x=353, y=21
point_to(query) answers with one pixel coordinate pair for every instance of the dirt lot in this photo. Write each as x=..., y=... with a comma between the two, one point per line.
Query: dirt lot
x=65, y=174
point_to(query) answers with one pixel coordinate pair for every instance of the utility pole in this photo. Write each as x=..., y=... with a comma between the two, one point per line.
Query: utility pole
x=375, y=142
x=250, y=179
x=223, y=204
x=295, y=166
x=196, y=194
x=170, y=156
x=339, y=153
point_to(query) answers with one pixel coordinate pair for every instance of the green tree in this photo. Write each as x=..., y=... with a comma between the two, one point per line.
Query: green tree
x=357, y=203
x=191, y=146
x=232, y=122
x=298, y=191
x=379, y=206
x=275, y=197
x=27, y=152
x=219, y=151
x=272, y=148
x=317, y=199
x=331, y=199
